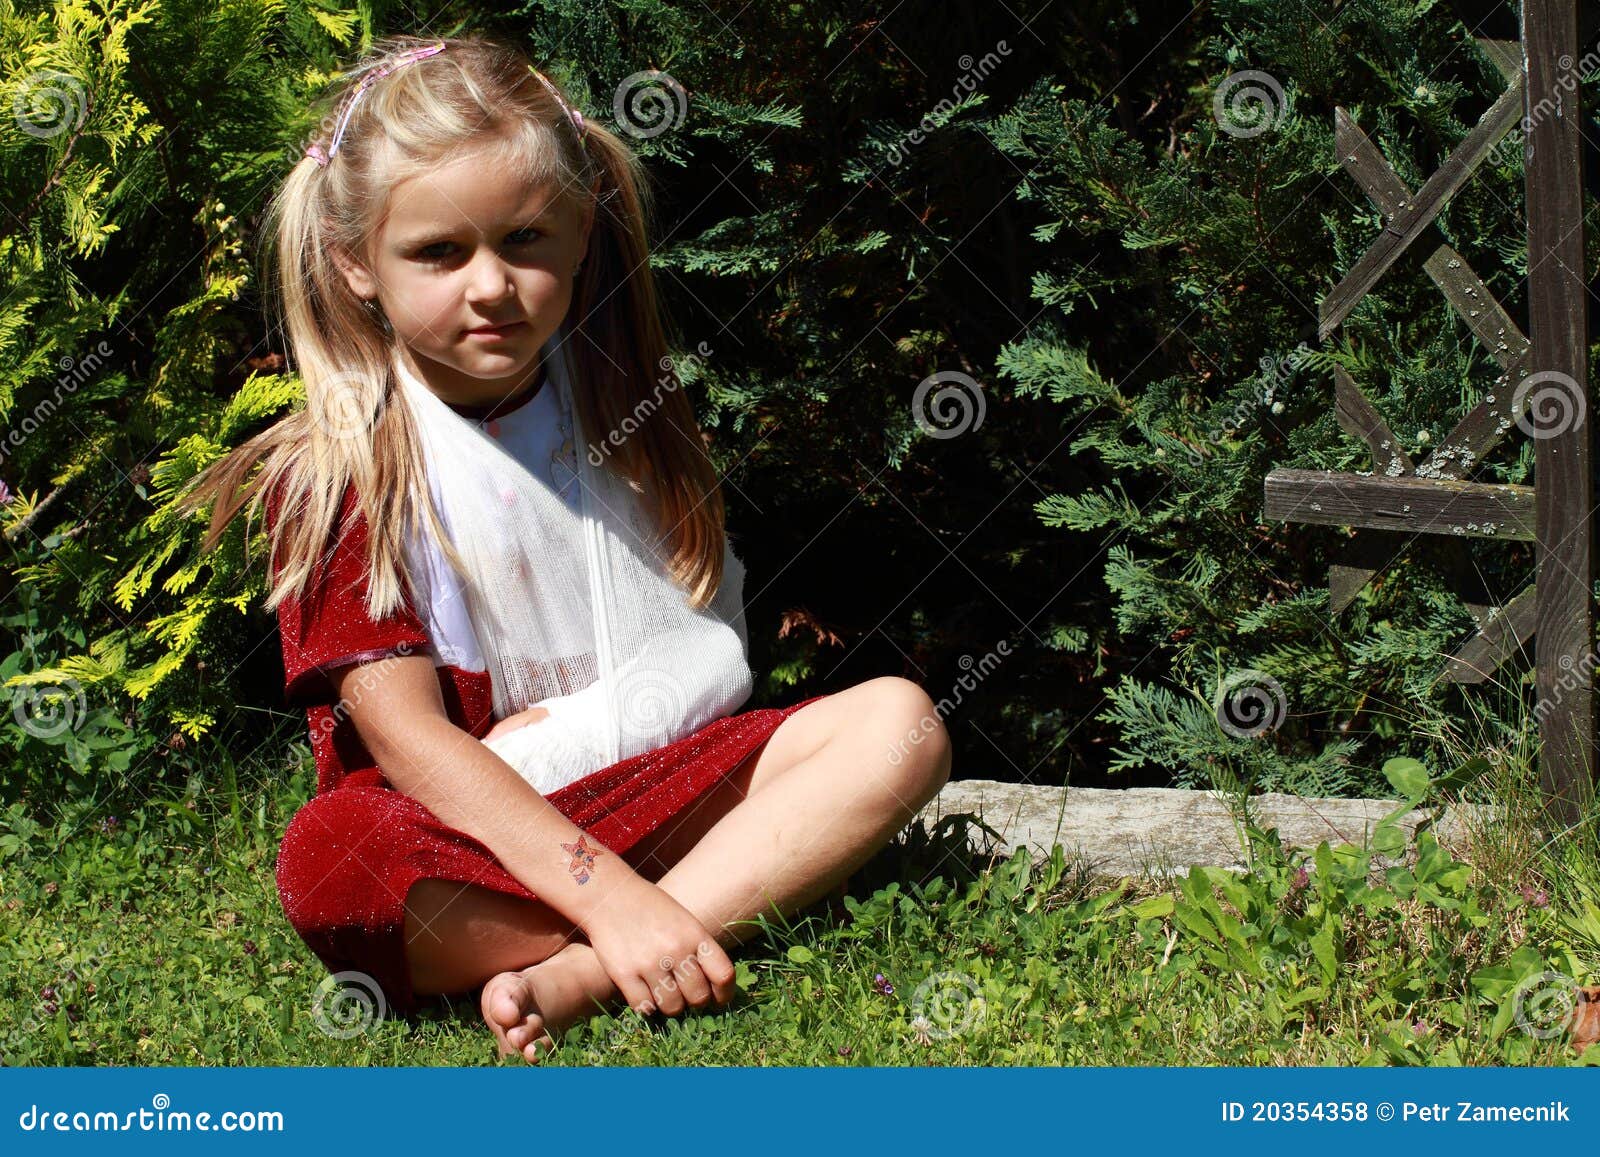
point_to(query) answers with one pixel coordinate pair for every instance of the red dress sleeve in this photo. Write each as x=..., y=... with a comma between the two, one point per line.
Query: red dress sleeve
x=329, y=627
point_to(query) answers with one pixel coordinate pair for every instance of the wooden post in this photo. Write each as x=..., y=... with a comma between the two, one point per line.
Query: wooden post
x=1558, y=329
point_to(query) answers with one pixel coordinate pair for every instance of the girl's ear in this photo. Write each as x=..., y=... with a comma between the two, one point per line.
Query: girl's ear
x=356, y=275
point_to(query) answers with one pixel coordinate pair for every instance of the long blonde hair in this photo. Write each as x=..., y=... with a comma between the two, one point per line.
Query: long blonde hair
x=355, y=427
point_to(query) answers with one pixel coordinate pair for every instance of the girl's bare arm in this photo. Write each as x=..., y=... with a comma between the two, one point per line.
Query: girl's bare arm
x=398, y=712
x=642, y=936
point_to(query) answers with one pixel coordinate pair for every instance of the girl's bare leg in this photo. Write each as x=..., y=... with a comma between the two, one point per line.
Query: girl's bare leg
x=800, y=830
x=831, y=786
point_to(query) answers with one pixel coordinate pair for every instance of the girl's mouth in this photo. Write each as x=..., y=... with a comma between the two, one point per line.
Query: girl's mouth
x=495, y=332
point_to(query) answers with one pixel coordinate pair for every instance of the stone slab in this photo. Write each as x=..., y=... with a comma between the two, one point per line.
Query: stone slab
x=1154, y=830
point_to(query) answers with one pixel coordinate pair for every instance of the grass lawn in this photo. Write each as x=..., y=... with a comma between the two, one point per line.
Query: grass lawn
x=156, y=939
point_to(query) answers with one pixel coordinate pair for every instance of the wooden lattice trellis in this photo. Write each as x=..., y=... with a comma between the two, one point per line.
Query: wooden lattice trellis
x=1400, y=498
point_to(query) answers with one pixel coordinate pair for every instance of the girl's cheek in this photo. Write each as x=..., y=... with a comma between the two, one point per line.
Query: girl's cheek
x=553, y=301
x=436, y=313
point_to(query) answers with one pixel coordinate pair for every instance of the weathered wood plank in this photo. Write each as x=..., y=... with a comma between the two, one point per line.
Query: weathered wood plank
x=1484, y=315
x=1461, y=286
x=1359, y=561
x=1368, y=167
x=1358, y=418
x=1506, y=55
x=1478, y=432
x=1419, y=213
x=1481, y=429
x=1414, y=505
x=1498, y=638
x=1558, y=325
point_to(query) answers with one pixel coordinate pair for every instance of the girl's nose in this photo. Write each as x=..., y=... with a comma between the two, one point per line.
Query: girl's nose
x=488, y=281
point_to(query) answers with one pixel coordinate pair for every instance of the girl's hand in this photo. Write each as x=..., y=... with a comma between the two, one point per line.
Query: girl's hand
x=520, y=719
x=657, y=953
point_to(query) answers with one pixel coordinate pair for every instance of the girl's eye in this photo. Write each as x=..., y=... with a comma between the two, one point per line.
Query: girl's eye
x=428, y=253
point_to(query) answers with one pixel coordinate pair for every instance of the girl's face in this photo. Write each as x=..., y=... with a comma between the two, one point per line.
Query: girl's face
x=461, y=248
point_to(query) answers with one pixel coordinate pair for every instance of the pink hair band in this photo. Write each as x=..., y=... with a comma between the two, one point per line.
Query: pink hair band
x=573, y=114
x=323, y=156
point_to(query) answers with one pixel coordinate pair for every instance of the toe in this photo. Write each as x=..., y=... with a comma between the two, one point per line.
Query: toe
x=511, y=1012
x=506, y=1013
x=539, y=1048
x=508, y=1001
x=504, y=1048
x=528, y=1032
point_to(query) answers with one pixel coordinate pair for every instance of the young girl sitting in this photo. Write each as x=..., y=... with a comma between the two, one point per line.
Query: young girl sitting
x=519, y=637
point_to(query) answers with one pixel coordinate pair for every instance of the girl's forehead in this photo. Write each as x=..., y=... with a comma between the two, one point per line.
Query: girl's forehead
x=464, y=194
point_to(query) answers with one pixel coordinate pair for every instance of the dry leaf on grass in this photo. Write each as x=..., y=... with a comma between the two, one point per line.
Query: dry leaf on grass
x=1586, y=1018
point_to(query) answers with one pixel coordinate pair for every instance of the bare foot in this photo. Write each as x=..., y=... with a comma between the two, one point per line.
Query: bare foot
x=523, y=1009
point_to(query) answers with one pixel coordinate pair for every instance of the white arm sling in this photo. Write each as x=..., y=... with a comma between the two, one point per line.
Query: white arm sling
x=575, y=611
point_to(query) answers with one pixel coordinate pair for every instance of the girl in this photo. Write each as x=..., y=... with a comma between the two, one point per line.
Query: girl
x=518, y=635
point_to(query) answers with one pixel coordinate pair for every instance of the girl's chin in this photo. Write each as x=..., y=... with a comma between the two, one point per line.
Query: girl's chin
x=497, y=359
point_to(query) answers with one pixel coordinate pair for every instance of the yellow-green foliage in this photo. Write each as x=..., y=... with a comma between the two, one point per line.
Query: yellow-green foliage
x=162, y=128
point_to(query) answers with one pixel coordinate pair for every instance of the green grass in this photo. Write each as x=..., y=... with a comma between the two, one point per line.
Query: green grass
x=164, y=943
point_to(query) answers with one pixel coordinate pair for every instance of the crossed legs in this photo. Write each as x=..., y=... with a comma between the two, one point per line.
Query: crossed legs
x=830, y=787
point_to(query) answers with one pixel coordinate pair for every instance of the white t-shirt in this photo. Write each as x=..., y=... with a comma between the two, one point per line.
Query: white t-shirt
x=531, y=432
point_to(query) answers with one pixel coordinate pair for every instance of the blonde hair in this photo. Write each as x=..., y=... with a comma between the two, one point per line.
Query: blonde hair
x=355, y=427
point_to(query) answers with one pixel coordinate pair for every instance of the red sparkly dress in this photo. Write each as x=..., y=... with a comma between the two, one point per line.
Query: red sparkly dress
x=350, y=855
